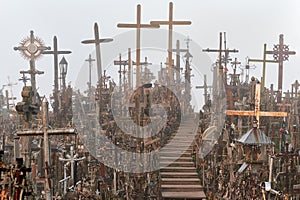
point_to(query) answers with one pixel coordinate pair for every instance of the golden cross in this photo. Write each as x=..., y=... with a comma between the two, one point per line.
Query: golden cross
x=170, y=23
x=257, y=113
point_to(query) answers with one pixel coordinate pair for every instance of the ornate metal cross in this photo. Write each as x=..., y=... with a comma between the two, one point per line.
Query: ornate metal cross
x=280, y=53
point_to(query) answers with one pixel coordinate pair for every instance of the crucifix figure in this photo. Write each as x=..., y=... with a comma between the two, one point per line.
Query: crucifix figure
x=55, y=53
x=280, y=53
x=170, y=23
x=97, y=42
x=90, y=60
x=32, y=48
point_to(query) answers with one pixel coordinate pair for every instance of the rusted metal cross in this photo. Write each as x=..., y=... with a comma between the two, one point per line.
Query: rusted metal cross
x=55, y=54
x=280, y=53
x=97, y=42
x=257, y=113
x=170, y=23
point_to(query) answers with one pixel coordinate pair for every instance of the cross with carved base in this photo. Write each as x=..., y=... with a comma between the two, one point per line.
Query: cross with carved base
x=257, y=113
x=170, y=23
x=97, y=42
x=280, y=53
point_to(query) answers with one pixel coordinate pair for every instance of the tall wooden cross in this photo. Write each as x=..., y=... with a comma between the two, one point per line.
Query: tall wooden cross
x=170, y=23
x=257, y=113
x=90, y=60
x=55, y=54
x=178, y=51
x=97, y=42
x=264, y=61
x=120, y=62
x=280, y=53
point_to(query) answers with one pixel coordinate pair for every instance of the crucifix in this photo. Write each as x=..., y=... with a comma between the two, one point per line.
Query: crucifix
x=234, y=76
x=280, y=53
x=247, y=67
x=97, y=42
x=90, y=60
x=264, y=61
x=32, y=48
x=73, y=161
x=55, y=53
x=178, y=51
x=257, y=113
x=170, y=23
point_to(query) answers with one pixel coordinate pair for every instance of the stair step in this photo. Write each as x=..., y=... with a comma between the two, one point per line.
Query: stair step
x=180, y=181
x=177, y=163
x=179, y=174
x=181, y=188
x=178, y=169
x=167, y=158
x=184, y=195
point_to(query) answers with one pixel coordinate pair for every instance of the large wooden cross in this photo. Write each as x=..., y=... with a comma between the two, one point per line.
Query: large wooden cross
x=264, y=61
x=256, y=112
x=170, y=23
x=280, y=53
x=55, y=54
x=97, y=42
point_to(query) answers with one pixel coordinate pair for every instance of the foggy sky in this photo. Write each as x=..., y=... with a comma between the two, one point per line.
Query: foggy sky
x=248, y=24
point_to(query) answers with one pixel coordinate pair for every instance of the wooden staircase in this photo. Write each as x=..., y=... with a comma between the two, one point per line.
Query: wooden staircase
x=179, y=178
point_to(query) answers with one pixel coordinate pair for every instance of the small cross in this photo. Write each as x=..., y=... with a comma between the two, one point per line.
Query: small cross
x=90, y=60
x=178, y=51
x=24, y=79
x=170, y=23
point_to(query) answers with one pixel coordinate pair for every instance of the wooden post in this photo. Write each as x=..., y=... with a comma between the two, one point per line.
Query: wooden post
x=170, y=23
x=90, y=60
x=55, y=54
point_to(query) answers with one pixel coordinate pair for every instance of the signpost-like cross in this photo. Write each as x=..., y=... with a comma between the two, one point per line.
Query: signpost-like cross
x=55, y=53
x=257, y=113
x=178, y=51
x=97, y=42
x=280, y=53
x=264, y=61
x=170, y=23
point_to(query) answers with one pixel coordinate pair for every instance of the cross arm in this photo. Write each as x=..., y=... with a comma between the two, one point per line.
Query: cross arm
x=252, y=113
x=57, y=52
x=259, y=60
x=170, y=22
x=284, y=52
x=104, y=40
x=217, y=50
x=49, y=132
x=136, y=26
